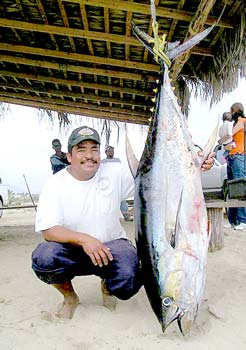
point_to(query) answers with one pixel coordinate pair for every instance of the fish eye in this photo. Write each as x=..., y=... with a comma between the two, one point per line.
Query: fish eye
x=167, y=301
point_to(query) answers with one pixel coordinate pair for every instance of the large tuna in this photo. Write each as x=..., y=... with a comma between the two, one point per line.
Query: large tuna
x=170, y=213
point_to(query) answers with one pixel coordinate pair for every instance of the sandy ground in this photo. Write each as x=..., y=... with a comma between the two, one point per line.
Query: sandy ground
x=25, y=303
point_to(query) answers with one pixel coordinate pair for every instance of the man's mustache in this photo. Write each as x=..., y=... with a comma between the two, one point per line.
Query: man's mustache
x=89, y=160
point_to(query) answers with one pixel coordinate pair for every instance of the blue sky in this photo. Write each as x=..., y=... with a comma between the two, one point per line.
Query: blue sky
x=25, y=141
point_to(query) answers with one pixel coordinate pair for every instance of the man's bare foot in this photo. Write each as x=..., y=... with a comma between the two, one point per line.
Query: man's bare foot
x=109, y=301
x=68, y=306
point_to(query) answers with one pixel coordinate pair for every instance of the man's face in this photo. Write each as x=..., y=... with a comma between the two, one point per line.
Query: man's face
x=57, y=147
x=110, y=152
x=85, y=159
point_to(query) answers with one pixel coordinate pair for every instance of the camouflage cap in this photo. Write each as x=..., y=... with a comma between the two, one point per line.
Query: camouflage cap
x=56, y=143
x=80, y=134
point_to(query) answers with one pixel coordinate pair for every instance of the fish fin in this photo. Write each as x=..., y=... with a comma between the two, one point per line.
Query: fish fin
x=131, y=158
x=210, y=144
x=175, y=234
x=187, y=45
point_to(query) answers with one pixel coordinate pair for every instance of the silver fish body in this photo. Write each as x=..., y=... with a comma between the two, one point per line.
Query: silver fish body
x=170, y=216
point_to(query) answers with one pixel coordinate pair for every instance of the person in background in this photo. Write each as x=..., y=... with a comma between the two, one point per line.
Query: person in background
x=124, y=208
x=59, y=159
x=225, y=133
x=235, y=163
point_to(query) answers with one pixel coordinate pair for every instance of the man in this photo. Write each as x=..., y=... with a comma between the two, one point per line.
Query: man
x=109, y=151
x=78, y=216
x=59, y=159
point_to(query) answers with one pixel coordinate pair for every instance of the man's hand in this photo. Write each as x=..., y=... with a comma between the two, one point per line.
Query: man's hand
x=98, y=252
x=209, y=162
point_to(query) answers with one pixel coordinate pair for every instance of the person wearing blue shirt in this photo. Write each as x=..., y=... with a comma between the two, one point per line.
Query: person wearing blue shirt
x=59, y=159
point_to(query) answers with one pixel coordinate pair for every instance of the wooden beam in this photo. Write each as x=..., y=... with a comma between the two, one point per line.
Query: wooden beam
x=174, y=21
x=196, y=26
x=79, y=57
x=44, y=18
x=78, y=33
x=150, y=31
x=145, y=10
x=65, y=22
x=86, y=26
x=71, y=94
x=77, y=69
x=107, y=29
x=71, y=32
x=86, y=112
x=81, y=84
x=67, y=103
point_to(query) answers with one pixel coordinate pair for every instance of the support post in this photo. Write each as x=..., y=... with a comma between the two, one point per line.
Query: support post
x=215, y=221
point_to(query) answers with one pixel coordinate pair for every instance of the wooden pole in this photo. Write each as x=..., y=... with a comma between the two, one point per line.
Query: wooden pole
x=215, y=221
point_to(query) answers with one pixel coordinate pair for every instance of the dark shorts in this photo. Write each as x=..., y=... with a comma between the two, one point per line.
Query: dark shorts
x=56, y=263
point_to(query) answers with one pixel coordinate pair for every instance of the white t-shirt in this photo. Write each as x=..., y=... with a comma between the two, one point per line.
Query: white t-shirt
x=226, y=130
x=91, y=206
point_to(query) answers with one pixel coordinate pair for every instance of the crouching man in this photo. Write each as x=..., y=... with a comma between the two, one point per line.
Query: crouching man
x=78, y=214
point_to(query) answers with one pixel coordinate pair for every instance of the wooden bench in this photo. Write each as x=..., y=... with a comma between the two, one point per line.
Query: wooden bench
x=215, y=211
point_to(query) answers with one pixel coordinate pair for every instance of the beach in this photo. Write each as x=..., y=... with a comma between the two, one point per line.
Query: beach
x=27, y=304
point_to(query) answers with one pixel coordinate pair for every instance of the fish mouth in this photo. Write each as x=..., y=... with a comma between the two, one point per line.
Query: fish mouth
x=177, y=316
x=172, y=312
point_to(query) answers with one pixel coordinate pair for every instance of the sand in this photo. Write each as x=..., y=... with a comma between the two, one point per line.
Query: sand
x=26, y=303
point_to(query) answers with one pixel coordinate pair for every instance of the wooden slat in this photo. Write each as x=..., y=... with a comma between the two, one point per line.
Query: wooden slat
x=79, y=57
x=82, y=84
x=107, y=29
x=86, y=26
x=58, y=92
x=76, y=69
x=226, y=204
x=44, y=18
x=66, y=24
x=68, y=104
x=78, y=111
x=145, y=10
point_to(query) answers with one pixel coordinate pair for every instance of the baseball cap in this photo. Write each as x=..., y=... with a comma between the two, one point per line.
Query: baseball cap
x=80, y=134
x=108, y=148
x=56, y=143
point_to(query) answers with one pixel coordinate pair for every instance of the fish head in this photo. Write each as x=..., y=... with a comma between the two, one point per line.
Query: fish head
x=171, y=311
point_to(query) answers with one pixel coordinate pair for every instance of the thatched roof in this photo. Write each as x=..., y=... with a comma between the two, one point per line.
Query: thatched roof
x=79, y=56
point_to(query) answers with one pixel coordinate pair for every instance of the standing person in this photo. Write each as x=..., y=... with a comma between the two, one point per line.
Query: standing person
x=59, y=159
x=109, y=151
x=225, y=133
x=235, y=162
x=78, y=216
x=226, y=142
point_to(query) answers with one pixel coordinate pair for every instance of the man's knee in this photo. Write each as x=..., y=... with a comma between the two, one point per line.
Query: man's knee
x=51, y=263
x=45, y=255
x=126, y=279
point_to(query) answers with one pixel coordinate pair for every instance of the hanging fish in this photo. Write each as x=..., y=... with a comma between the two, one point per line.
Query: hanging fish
x=170, y=213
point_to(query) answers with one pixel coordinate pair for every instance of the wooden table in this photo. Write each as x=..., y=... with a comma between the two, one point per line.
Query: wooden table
x=216, y=220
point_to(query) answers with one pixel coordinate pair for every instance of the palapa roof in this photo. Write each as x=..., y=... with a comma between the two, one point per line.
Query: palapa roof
x=80, y=57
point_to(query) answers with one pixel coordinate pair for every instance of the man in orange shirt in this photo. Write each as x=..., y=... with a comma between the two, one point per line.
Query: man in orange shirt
x=235, y=163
